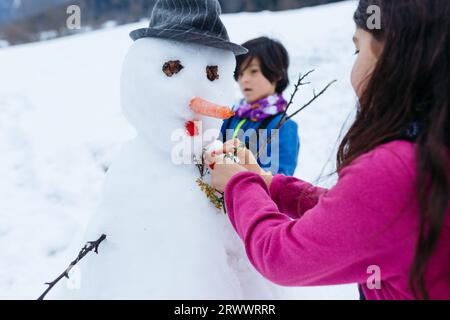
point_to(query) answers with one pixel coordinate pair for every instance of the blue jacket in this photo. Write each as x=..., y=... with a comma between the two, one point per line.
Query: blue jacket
x=286, y=141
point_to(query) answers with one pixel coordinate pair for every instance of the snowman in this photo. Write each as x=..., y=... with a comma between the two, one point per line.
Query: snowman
x=165, y=239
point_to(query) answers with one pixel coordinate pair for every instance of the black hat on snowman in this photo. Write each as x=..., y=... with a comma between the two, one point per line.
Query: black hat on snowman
x=191, y=21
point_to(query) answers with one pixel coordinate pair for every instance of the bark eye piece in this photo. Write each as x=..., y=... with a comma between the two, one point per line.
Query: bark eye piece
x=172, y=67
x=212, y=72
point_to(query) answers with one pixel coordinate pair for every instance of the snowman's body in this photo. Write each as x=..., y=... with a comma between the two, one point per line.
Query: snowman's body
x=165, y=240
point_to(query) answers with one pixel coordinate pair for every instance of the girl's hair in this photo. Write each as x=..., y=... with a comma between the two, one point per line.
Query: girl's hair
x=273, y=57
x=410, y=85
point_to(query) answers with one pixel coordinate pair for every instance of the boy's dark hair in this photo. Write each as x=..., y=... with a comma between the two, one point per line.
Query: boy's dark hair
x=274, y=60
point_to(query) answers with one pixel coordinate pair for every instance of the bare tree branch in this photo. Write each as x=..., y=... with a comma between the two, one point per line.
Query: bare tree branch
x=296, y=88
x=312, y=100
x=284, y=117
x=90, y=246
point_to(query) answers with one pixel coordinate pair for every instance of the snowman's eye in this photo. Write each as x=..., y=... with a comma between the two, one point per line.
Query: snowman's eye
x=212, y=73
x=172, y=67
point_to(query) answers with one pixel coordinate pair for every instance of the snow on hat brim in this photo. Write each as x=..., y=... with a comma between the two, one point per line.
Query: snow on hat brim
x=188, y=36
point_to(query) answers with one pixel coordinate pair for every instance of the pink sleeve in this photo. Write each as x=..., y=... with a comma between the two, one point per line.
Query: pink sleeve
x=294, y=196
x=358, y=223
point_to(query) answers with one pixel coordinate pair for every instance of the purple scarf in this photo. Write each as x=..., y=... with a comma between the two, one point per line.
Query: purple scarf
x=261, y=109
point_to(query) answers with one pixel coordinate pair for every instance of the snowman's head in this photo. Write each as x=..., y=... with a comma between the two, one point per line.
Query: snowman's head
x=160, y=77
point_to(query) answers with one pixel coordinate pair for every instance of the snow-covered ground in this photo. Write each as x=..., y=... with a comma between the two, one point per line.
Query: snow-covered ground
x=61, y=126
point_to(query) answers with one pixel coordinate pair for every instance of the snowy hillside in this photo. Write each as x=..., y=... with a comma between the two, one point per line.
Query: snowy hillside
x=61, y=126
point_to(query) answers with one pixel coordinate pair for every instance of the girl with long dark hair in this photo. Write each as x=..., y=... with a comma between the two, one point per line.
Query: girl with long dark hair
x=386, y=223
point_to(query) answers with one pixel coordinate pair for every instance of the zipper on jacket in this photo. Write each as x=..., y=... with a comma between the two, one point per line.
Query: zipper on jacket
x=241, y=123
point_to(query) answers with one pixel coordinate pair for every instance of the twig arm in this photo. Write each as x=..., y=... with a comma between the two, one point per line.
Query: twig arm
x=90, y=246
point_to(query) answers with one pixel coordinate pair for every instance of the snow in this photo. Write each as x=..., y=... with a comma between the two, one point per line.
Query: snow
x=157, y=221
x=61, y=126
x=47, y=35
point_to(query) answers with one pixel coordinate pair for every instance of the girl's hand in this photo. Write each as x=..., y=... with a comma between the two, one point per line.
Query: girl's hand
x=237, y=148
x=245, y=156
x=223, y=169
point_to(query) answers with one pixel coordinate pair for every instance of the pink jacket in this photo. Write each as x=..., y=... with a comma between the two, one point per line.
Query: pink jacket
x=296, y=234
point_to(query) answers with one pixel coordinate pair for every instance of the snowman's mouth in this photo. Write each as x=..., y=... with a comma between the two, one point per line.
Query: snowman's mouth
x=191, y=128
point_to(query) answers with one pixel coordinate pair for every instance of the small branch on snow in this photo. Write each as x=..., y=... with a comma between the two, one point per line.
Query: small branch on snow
x=90, y=246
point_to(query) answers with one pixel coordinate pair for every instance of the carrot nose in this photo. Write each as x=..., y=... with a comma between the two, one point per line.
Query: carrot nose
x=209, y=109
